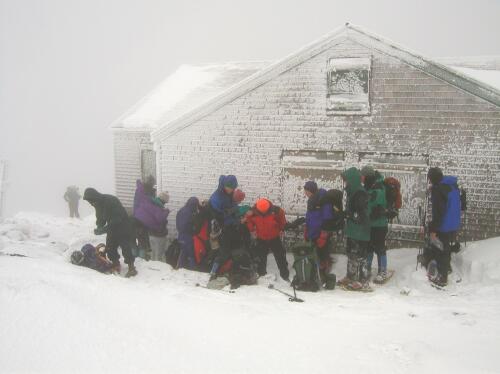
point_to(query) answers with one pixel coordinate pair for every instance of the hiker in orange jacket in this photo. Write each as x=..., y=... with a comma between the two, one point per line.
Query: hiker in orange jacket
x=267, y=222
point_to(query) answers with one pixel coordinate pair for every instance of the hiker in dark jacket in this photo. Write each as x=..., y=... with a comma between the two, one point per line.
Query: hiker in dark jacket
x=373, y=182
x=186, y=227
x=446, y=220
x=72, y=197
x=113, y=220
x=319, y=215
x=357, y=230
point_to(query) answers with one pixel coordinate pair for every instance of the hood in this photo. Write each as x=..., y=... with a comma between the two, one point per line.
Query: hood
x=352, y=177
x=449, y=180
x=193, y=203
x=225, y=180
x=91, y=194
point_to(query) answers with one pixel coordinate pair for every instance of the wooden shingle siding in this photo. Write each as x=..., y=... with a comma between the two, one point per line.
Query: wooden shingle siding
x=127, y=152
x=412, y=112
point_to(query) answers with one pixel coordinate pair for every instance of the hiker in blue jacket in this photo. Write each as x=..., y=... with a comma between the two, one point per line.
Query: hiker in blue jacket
x=446, y=220
x=222, y=207
x=319, y=214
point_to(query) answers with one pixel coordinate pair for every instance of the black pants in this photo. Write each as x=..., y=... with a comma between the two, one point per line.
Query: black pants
x=142, y=236
x=124, y=240
x=229, y=240
x=357, y=251
x=377, y=241
x=443, y=258
x=276, y=246
x=73, y=209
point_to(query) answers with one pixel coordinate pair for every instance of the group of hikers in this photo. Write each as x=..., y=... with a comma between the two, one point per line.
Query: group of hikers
x=231, y=241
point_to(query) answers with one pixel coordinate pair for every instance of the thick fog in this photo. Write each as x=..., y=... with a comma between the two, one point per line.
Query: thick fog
x=69, y=68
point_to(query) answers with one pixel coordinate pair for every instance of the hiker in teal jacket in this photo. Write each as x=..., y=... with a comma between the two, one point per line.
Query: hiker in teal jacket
x=374, y=184
x=357, y=230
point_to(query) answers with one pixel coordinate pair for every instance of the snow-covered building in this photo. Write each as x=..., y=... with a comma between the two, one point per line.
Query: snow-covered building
x=348, y=99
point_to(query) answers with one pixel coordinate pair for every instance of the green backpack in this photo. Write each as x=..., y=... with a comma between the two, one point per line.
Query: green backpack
x=305, y=265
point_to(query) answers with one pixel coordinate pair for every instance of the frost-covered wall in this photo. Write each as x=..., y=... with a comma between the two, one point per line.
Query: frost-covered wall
x=128, y=147
x=416, y=120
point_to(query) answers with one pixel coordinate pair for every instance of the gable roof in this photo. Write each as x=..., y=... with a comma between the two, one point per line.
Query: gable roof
x=187, y=88
x=355, y=33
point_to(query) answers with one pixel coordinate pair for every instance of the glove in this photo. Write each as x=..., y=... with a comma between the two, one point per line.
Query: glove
x=100, y=230
x=322, y=240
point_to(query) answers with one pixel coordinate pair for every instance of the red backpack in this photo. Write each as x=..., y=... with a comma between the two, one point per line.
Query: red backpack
x=393, y=193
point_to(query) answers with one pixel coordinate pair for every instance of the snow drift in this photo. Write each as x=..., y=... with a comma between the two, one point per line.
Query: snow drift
x=60, y=318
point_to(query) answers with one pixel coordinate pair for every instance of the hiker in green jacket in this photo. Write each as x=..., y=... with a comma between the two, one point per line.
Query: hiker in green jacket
x=374, y=184
x=357, y=231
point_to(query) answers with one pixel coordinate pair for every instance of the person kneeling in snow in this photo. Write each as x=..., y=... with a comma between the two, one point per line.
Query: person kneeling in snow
x=113, y=220
x=267, y=222
x=93, y=258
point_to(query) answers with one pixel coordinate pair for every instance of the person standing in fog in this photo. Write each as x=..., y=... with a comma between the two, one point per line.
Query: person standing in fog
x=72, y=197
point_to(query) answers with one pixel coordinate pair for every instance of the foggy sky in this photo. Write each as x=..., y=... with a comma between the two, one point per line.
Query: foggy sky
x=69, y=68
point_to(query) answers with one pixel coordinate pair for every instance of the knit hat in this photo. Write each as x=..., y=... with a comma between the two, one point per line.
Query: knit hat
x=164, y=196
x=311, y=186
x=368, y=171
x=435, y=175
x=263, y=205
x=238, y=196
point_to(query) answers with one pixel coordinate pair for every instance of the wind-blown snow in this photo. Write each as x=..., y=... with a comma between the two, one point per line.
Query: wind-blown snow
x=60, y=318
x=188, y=87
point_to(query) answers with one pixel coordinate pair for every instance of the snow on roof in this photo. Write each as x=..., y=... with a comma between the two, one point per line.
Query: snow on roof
x=473, y=62
x=187, y=88
x=490, y=77
x=356, y=33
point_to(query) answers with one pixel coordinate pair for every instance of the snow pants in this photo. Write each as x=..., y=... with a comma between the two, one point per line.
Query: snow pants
x=186, y=257
x=357, y=252
x=276, y=246
x=158, y=247
x=125, y=241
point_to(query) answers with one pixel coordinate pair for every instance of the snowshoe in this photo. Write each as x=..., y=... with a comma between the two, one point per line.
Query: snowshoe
x=383, y=277
x=356, y=286
x=132, y=272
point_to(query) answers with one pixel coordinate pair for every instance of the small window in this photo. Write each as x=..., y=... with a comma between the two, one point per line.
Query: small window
x=148, y=164
x=348, y=86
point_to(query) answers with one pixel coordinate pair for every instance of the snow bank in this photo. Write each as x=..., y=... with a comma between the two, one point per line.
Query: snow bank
x=61, y=318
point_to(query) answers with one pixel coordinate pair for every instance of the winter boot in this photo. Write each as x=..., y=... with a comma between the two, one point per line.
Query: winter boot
x=132, y=272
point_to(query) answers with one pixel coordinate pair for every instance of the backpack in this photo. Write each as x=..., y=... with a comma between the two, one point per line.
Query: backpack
x=242, y=271
x=305, y=265
x=334, y=197
x=393, y=196
x=452, y=216
x=172, y=253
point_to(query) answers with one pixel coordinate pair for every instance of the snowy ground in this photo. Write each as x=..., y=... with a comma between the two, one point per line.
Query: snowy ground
x=56, y=317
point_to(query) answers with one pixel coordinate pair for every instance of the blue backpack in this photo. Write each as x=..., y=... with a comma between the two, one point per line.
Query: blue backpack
x=452, y=217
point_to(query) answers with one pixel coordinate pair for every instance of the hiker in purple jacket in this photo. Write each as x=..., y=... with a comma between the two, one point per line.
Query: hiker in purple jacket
x=150, y=216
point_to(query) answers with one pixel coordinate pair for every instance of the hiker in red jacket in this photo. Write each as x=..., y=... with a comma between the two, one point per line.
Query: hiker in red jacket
x=267, y=222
